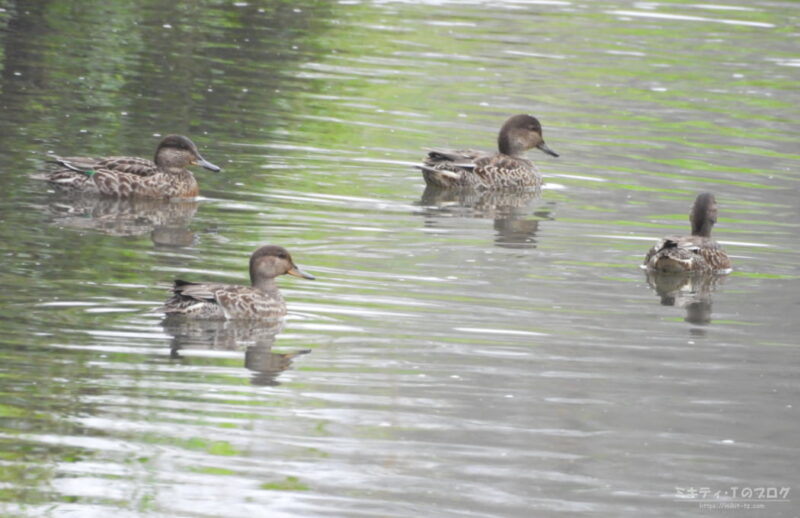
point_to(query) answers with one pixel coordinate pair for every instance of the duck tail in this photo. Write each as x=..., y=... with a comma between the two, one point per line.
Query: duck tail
x=63, y=162
x=667, y=244
x=438, y=177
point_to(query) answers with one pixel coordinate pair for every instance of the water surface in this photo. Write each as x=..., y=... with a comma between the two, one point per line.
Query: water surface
x=469, y=356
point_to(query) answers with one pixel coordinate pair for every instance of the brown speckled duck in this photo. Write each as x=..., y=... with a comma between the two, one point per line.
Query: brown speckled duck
x=694, y=253
x=260, y=300
x=125, y=177
x=506, y=169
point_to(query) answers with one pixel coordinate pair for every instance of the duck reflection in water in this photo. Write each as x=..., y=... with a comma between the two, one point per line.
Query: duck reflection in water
x=516, y=217
x=689, y=290
x=255, y=337
x=166, y=221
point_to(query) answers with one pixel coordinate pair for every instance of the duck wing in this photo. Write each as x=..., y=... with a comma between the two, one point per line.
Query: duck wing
x=123, y=164
x=197, y=291
x=462, y=158
x=195, y=299
x=444, y=169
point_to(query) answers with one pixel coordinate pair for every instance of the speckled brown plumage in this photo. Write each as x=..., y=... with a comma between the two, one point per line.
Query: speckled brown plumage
x=122, y=164
x=697, y=252
x=506, y=169
x=261, y=299
x=125, y=177
x=224, y=301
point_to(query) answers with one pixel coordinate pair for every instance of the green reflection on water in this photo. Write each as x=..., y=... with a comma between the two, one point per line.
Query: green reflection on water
x=756, y=275
x=212, y=470
x=290, y=483
x=302, y=104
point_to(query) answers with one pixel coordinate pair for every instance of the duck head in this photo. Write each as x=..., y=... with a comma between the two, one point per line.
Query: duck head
x=270, y=261
x=703, y=215
x=177, y=151
x=521, y=133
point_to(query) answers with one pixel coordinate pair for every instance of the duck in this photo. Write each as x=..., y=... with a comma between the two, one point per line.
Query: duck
x=164, y=177
x=216, y=301
x=506, y=169
x=695, y=253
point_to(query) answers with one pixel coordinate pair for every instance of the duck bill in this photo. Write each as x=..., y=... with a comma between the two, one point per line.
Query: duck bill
x=297, y=272
x=543, y=147
x=205, y=164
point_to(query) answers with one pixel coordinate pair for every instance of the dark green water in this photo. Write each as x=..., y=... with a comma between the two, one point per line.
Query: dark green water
x=467, y=359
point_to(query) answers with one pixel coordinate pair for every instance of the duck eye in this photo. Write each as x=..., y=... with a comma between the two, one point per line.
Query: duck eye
x=283, y=256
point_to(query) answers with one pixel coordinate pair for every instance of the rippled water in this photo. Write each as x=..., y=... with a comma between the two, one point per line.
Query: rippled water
x=469, y=356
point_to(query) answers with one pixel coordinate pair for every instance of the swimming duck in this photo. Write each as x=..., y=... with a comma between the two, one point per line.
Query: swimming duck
x=228, y=301
x=697, y=252
x=507, y=168
x=124, y=177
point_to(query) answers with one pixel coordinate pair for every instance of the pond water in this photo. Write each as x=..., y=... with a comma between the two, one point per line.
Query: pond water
x=456, y=356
